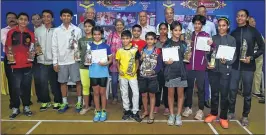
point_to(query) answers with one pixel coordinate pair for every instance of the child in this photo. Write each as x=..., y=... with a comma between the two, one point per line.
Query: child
x=99, y=74
x=127, y=63
x=220, y=75
x=136, y=41
x=83, y=44
x=151, y=63
x=175, y=74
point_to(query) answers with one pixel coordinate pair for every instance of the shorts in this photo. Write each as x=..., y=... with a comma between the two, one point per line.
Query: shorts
x=177, y=82
x=69, y=73
x=85, y=81
x=148, y=85
x=102, y=82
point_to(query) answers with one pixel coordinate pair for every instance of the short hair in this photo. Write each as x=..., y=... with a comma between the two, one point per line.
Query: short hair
x=137, y=26
x=200, y=18
x=91, y=22
x=11, y=13
x=246, y=11
x=225, y=19
x=66, y=10
x=49, y=12
x=163, y=23
x=119, y=20
x=23, y=14
x=126, y=33
x=169, y=8
x=201, y=6
x=35, y=14
x=97, y=28
x=91, y=8
x=175, y=24
x=150, y=34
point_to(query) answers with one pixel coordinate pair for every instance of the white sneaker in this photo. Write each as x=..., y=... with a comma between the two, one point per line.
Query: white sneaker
x=187, y=112
x=84, y=111
x=171, y=120
x=199, y=115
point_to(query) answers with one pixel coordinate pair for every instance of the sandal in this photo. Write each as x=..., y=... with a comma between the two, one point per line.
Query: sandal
x=143, y=116
x=150, y=121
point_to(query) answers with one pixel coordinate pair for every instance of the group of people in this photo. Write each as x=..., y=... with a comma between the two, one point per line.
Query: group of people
x=135, y=61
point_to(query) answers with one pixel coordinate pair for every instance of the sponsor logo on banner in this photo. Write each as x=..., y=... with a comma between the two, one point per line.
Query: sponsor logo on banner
x=210, y=5
x=116, y=4
x=168, y=3
x=86, y=4
x=145, y=4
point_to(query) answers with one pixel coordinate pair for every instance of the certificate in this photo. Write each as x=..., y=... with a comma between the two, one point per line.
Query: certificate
x=226, y=52
x=170, y=53
x=99, y=55
x=202, y=44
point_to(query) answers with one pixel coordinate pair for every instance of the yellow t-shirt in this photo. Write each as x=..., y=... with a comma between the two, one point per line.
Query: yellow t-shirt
x=127, y=59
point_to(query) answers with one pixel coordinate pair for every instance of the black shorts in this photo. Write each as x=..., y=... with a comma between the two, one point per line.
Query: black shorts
x=148, y=85
x=102, y=82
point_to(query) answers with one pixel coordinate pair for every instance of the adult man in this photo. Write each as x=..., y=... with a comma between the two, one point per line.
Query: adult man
x=143, y=21
x=209, y=28
x=36, y=20
x=11, y=21
x=19, y=41
x=43, y=36
x=89, y=14
x=64, y=39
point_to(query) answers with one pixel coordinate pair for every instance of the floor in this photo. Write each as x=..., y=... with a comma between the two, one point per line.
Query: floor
x=50, y=122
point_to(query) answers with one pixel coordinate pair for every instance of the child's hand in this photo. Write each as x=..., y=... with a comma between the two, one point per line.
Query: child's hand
x=169, y=62
x=121, y=73
x=102, y=63
x=223, y=61
x=209, y=42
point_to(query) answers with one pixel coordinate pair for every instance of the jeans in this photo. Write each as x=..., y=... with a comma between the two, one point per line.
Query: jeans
x=114, y=76
x=247, y=78
x=21, y=86
x=220, y=87
x=37, y=83
x=47, y=76
x=163, y=89
x=200, y=77
x=207, y=87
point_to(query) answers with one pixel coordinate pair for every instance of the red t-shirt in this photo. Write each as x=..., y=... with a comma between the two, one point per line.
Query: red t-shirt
x=140, y=44
x=20, y=43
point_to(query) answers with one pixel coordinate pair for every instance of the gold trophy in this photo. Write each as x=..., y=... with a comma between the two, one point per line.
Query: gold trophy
x=31, y=53
x=212, y=62
x=243, y=49
x=188, y=36
x=38, y=48
x=130, y=65
x=10, y=56
x=88, y=55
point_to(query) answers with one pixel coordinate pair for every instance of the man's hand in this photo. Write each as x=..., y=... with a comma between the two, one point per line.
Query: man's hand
x=247, y=60
x=209, y=42
x=56, y=68
x=169, y=62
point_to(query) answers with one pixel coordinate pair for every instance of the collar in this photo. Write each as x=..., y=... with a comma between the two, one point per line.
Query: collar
x=97, y=43
x=63, y=27
x=131, y=46
x=17, y=28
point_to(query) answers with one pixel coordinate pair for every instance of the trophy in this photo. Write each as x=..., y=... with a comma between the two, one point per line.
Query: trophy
x=188, y=36
x=88, y=55
x=243, y=49
x=212, y=62
x=77, y=54
x=38, y=48
x=72, y=40
x=10, y=56
x=31, y=53
x=130, y=65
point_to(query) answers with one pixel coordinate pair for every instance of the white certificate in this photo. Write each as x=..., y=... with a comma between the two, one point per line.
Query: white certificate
x=226, y=52
x=170, y=53
x=202, y=44
x=99, y=55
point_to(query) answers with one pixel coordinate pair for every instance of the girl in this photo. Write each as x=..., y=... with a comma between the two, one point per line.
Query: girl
x=83, y=44
x=99, y=74
x=196, y=69
x=219, y=76
x=175, y=74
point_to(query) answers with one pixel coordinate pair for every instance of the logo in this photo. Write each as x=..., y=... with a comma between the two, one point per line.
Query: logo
x=145, y=4
x=27, y=40
x=86, y=4
x=116, y=4
x=168, y=3
x=209, y=4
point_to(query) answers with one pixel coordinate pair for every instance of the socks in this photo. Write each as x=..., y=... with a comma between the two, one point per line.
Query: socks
x=80, y=99
x=65, y=100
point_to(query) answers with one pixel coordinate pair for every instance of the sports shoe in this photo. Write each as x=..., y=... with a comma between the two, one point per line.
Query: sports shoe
x=63, y=108
x=97, y=116
x=166, y=112
x=84, y=111
x=155, y=110
x=56, y=106
x=224, y=123
x=178, y=121
x=126, y=115
x=244, y=121
x=257, y=95
x=78, y=107
x=187, y=112
x=199, y=115
x=103, y=116
x=136, y=117
x=231, y=116
x=45, y=106
x=262, y=100
x=210, y=118
x=15, y=113
x=171, y=120
x=27, y=111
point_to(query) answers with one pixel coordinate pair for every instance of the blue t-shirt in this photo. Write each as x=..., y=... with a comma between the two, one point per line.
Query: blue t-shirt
x=146, y=51
x=96, y=70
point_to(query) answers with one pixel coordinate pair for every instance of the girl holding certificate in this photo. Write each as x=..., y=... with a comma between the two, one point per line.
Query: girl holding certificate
x=99, y=72
x=175, y=73
x=220, y=75
x=200, y=44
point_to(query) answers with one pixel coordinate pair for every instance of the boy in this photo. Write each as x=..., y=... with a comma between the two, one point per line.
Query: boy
x=127, y=63
x=136, y=41
x=19, y=40
x=63, y=40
